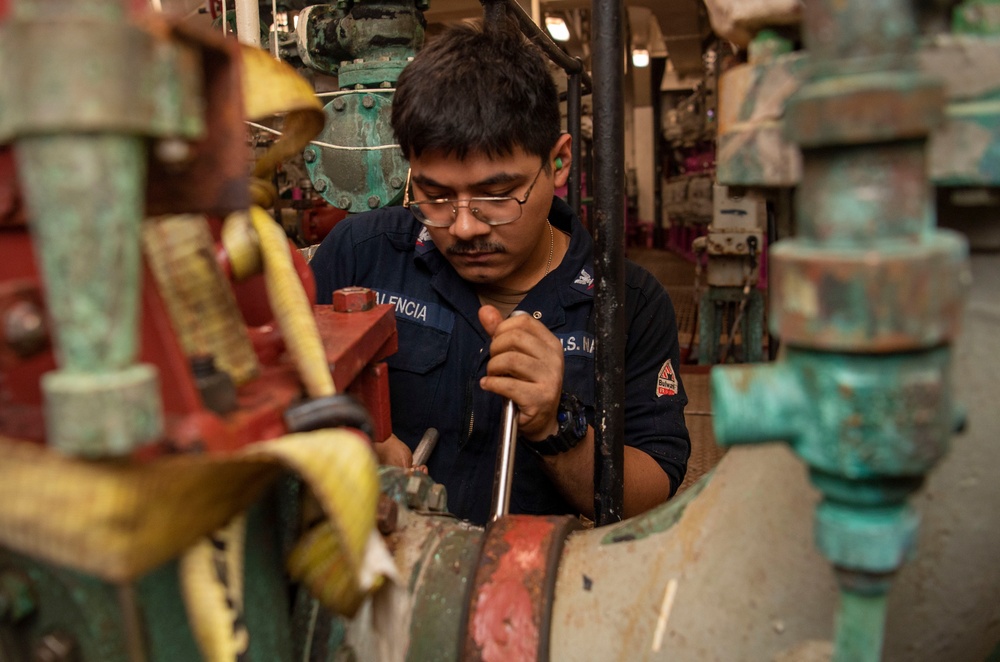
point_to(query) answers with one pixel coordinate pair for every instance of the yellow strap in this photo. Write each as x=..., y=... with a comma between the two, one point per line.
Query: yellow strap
x=272, y=87
x=118, y=520
x=292, y=307
x=211, y=574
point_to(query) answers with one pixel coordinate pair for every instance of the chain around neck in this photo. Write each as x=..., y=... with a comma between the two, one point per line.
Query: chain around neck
x=552, y=244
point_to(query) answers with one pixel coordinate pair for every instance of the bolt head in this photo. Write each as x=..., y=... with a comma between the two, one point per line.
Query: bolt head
x=387, y=514
x=353, y=299
x=417, y=488
x=172, y=151
x=368, y=101
x=437, y=499
x=24, y=329
x=320, y=185
x=373, y=202
x=309, y=155
x=338, y=103
x=56, y=647
x=344, y=202
x=396, y=182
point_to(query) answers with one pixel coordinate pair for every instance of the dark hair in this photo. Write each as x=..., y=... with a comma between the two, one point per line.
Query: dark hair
x=476, y=91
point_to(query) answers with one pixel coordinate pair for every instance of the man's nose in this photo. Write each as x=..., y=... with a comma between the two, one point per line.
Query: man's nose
x=467, y=226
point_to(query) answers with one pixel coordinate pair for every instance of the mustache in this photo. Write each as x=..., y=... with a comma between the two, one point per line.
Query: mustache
x=465, y=247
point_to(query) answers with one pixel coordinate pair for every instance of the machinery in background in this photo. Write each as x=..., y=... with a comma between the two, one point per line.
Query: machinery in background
x=666, y=585
x=733, y=249
x=355, y=164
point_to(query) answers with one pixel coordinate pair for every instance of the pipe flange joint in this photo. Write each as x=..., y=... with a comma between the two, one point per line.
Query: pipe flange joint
x=904, y=299
x=864, y=108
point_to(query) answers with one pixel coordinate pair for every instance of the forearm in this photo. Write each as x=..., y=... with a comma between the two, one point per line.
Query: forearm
x=646, y=484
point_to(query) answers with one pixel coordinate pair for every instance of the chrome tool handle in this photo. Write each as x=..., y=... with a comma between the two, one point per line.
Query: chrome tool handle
x=425, y=447
x=504, y=475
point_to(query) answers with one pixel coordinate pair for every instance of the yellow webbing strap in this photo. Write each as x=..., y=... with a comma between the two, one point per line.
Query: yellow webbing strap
x=201, y=303
x=272, y=87
x=211, y=578
x=292, y=308
x=117, y=520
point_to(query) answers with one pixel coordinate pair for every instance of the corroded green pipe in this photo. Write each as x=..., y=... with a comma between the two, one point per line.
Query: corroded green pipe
x=865, y=301
x=84, y=177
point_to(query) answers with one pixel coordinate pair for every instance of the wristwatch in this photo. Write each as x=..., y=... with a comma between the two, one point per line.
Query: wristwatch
x=572, y=419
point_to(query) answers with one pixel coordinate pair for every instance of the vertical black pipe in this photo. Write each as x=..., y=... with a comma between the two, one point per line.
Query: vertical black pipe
x=607, y=39
x=573, y=102
x=494, y=14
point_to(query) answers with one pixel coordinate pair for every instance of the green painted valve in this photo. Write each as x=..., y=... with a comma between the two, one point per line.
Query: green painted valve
x=865, y=300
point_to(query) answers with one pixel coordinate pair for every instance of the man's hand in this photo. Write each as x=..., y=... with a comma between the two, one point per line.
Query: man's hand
x=526, y=365
x=394, y=452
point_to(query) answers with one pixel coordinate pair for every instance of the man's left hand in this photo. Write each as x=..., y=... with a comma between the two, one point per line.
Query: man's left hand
x=526, y=365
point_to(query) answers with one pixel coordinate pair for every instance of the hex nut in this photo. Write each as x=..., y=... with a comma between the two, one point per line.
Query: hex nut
x=373, y=202
x=353, y=299
x=368, y=101
x=437, y=499
x=338, y=103
x=320, y=185
x=417, y=488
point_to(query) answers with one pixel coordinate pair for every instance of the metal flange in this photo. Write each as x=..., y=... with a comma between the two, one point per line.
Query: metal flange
x=514, y=588
x=900, y=298
x=364, y=170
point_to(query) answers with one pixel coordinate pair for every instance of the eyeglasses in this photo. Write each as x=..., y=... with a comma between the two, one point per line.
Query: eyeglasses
x=492, y=210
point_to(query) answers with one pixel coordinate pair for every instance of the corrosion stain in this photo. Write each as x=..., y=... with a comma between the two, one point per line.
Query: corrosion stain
x=510, y=609
x=505, y=623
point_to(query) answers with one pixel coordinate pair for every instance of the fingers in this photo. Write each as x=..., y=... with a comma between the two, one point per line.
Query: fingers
x=526, y=365
x=394, y=452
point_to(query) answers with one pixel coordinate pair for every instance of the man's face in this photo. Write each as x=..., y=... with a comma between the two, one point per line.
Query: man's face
x=511, y=256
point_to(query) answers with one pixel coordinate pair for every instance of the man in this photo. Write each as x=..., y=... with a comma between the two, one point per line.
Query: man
x=480, y=235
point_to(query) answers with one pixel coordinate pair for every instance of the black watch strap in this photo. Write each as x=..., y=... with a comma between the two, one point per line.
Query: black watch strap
x=572, y=419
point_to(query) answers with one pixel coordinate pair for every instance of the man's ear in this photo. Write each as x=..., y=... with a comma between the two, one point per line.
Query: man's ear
x=561, y=158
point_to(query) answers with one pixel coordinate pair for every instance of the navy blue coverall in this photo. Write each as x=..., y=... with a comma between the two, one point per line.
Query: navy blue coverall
x=443, y=351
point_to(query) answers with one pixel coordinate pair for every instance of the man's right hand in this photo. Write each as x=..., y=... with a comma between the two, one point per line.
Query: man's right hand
x=394, y=452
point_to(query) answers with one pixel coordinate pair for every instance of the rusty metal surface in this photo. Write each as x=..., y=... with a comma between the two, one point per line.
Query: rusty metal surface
x=213, y=176
x=120, y=77
x=888, y=301
x=441, y=588
x=11, y=204
x=353, y=340
x=864, y=108
x=511, y=600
